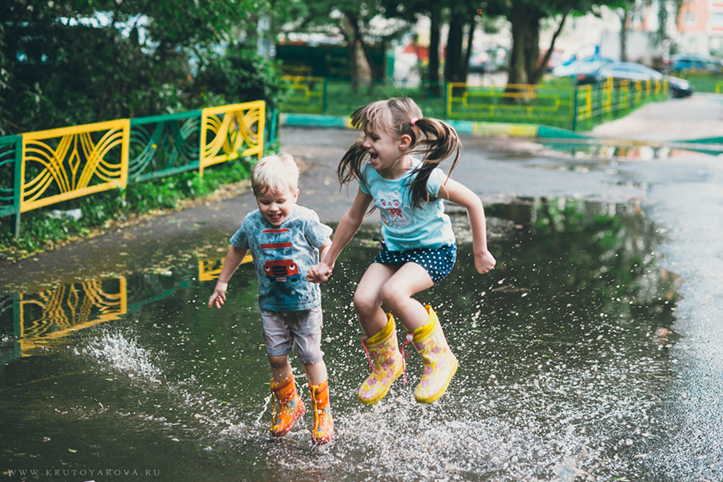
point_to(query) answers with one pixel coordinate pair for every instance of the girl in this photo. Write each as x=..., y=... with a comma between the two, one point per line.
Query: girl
x=419, y=248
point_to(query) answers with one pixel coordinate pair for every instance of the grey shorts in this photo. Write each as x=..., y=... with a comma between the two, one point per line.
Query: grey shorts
x=284, y=328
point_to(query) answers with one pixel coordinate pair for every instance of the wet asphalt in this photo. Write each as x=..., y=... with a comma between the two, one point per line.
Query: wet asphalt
x=683, y=194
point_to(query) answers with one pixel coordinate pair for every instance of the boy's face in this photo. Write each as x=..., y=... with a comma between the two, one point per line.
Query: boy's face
x=275, y=204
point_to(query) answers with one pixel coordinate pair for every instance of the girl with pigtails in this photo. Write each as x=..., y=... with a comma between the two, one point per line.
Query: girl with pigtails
x=396, y=164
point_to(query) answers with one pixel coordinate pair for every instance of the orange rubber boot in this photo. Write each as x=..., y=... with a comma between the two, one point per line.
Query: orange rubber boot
x=440, y=364
x=323, y=432
x=291, y=408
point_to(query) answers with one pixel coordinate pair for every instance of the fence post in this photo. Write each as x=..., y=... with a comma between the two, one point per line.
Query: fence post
x=574, y=108
x=445, y=96
x=323, y=97
x=18, y=183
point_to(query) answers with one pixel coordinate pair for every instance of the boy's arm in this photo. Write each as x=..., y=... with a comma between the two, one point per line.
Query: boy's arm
x=233, y=260
x=347, y=228
x=455, y=192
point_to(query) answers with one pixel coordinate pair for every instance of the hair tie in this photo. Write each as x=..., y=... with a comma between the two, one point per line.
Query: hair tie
x=413, y=121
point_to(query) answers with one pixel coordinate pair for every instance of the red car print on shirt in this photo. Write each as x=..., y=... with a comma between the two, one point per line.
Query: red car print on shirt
x=281, y=270
x=277, y=243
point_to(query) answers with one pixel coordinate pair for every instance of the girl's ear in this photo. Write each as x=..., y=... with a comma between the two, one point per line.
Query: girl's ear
x=405, y=142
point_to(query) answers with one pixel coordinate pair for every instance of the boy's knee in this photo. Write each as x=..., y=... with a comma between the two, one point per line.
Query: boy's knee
x=278, y=362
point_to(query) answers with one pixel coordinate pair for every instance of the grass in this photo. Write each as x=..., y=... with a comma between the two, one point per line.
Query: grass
x=53, y=226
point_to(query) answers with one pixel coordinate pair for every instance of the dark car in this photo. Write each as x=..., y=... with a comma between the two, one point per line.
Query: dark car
x=634, y=72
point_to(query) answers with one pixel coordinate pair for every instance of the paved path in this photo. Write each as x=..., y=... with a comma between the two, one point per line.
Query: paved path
x=683, y=194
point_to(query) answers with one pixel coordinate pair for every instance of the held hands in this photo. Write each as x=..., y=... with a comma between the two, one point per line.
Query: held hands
x=219, y=296
x=484, y=261
x=319, y=273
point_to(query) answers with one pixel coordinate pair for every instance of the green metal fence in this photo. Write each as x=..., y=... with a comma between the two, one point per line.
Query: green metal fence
x=43, y=168
x=555, y=102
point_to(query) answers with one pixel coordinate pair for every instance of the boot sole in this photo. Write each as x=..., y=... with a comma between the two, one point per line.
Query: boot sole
x=383, y=394
x=442, y=391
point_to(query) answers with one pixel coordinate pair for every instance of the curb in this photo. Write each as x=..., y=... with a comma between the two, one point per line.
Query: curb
x=463, y=127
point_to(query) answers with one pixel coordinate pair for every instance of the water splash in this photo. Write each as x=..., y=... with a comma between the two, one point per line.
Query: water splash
x=125, y=356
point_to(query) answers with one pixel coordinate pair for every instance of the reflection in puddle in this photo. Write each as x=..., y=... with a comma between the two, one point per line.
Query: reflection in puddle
x=562, y=350
x=639, y=151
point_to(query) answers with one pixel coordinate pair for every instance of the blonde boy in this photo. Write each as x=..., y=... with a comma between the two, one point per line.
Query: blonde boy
x=285, y=240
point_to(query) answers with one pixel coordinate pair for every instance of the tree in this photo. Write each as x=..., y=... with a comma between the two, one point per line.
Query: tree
x=525, y=17
x=70, y=62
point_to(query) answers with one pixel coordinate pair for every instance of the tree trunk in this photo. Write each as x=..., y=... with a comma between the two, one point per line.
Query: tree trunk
x=623, y=35
x=517, y=71
x=470, y=46
x=434, y=35
x=351, y=47
x=453, y=57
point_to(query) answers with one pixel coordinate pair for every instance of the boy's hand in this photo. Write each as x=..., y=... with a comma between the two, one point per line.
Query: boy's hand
x=484, y=261
x=219, y=296
x=319, y=273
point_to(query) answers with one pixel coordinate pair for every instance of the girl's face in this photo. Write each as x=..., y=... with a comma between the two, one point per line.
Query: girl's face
x=385, y=151
x=276, y=205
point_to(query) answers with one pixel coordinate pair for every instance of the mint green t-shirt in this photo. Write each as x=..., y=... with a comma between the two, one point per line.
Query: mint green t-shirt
x=404, y=226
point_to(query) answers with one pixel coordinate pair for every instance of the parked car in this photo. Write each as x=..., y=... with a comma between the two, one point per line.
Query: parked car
x=698, y=63
x=634, y=72
x=580, y=68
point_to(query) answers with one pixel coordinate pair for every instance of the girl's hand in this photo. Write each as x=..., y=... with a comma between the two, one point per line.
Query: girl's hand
x=219, y=296
x=484, y=261
x=319, y=273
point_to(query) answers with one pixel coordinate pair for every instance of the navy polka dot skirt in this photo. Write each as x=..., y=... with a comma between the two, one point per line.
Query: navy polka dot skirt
x=437, y=262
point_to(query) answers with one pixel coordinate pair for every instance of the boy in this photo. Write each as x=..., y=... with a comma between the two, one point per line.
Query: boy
x=285, y=241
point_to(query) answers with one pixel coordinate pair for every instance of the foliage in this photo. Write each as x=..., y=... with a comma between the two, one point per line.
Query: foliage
x=240, y=75
x=44, y=228
x=68, y=62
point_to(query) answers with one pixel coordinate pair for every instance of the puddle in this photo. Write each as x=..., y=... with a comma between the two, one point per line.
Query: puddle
x=596, y=149
x=563, y=352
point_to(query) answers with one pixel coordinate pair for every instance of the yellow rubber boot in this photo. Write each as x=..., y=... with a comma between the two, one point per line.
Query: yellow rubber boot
x=291, y=407
x=323, y=432
x=440, y=364
x=385, y=360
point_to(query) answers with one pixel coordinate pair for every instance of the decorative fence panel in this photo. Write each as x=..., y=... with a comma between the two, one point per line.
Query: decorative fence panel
x=226, y=130
x=70, y=162
x=10, y=154
x=38, y=169
x=512, y=102
x=43, y=318
x=308, y=94
x=164, y=145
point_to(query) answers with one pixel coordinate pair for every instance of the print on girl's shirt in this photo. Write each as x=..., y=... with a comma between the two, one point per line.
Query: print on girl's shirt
x=392, y=212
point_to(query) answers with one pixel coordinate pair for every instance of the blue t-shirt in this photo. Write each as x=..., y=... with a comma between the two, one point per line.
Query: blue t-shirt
x=404, y=226
x=283, y=255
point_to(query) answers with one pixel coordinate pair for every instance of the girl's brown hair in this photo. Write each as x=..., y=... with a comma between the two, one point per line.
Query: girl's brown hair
x=432, y=138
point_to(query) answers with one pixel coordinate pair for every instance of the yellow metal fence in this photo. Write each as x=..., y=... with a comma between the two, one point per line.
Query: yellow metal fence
x=52, y=166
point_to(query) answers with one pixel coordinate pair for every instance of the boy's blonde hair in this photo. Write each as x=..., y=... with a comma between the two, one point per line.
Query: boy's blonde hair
x=275, y=173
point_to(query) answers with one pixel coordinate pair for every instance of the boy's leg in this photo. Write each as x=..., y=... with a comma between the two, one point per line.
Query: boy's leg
x=323, y=431
x=278, y=345
x=316, y=373
x=280, y=367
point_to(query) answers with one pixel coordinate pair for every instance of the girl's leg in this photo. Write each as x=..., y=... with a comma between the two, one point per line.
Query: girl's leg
x=368, y=298
x=397, y=292
x=280, y=368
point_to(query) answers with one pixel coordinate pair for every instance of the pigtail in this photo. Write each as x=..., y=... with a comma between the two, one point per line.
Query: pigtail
x=439, y=143
x=351, y=164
